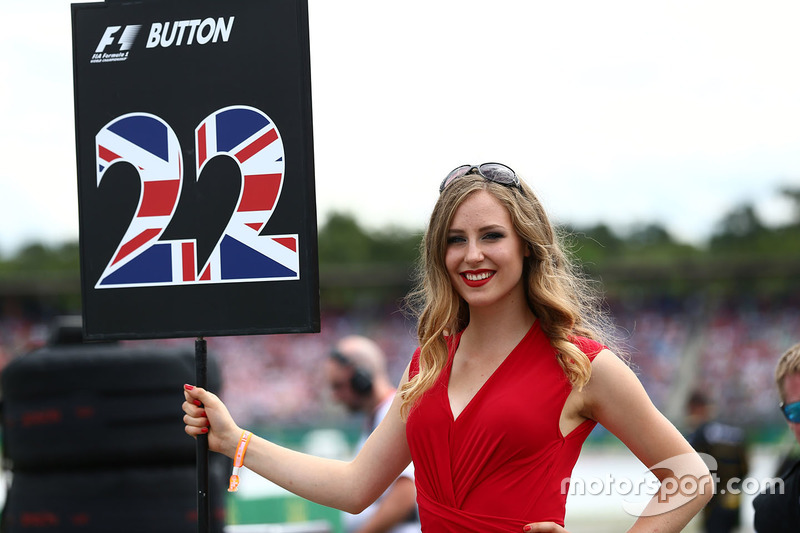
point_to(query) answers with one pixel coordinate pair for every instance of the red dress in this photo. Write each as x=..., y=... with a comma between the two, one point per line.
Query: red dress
x=503, y=462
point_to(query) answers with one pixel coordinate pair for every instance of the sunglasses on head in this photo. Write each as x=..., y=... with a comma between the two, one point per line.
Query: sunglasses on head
x=791, y=411
x=496, y=172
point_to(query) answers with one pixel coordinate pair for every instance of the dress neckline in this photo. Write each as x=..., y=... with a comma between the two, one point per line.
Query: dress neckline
x=456, y=340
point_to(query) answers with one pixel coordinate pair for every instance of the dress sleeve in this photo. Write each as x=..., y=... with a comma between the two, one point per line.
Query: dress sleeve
x=413, y=369
x=588, y=346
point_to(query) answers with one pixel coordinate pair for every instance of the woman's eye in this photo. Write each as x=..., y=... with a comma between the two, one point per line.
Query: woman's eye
x=455, y=239
x=493, y=236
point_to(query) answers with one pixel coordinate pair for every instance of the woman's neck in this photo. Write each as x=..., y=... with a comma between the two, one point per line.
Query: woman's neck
x=509, y=321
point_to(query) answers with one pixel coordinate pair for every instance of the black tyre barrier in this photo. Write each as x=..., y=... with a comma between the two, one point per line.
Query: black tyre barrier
x=152, y=500
x=98, y=405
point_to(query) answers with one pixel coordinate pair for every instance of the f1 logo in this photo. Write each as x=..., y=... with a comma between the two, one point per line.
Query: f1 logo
x=125, y=39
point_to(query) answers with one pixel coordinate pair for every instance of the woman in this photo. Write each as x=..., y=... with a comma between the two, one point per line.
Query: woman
x=510, y=378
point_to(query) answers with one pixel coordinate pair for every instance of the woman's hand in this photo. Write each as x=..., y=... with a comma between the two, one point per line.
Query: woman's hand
x=544, y=527
x=206, y=414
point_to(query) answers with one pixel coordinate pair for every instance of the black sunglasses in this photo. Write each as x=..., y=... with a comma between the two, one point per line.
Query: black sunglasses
x=496, y=172
x=791, y=411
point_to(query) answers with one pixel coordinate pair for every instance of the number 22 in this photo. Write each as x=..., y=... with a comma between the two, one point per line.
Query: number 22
x=241, y=255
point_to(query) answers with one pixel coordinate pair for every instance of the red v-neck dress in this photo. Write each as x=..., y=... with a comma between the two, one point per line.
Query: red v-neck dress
x=502, y=463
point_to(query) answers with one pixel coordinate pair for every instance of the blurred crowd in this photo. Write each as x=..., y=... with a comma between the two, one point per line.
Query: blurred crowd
x=729, y=351
x=277, y=379
x=739, y=350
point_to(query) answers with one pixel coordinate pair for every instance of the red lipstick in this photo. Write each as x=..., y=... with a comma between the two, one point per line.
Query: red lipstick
x=477, y=278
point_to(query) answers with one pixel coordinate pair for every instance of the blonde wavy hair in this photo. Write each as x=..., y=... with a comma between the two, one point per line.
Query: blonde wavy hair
x=789, y=363
x=561, y=298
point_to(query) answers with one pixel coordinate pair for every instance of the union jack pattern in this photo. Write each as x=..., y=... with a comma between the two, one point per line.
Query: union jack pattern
x=241, y=254
x=149, y=144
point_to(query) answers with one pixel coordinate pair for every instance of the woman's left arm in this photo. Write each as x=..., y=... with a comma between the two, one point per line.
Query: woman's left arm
x=616, y=399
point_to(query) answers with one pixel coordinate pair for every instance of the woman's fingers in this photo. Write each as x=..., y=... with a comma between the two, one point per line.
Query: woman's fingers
x=194, y=412
x=195, y=394
x=205, y=413
x=201, y=397
x=194, y=431
x=195, y=417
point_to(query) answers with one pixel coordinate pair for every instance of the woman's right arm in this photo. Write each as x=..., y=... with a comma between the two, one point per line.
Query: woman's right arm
x=348, y=486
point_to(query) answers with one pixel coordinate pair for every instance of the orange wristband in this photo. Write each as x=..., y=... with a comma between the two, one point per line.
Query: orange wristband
x=238, y=460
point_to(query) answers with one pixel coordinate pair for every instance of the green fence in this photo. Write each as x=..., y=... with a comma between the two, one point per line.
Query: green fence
x=280, y=509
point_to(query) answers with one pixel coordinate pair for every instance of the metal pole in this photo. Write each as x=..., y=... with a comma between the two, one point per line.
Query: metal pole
x=203, y=507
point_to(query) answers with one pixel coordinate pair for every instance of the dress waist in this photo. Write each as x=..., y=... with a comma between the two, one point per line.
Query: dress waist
x=437, y=517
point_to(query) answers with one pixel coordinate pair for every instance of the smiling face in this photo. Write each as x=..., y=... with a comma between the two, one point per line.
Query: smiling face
x=484, y=254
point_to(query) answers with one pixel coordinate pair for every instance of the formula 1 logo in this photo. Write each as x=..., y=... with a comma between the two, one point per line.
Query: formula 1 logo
x=117, y=42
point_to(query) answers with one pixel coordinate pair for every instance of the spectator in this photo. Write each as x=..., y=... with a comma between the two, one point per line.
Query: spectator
x=727, y=446
x=778, y=511
x=357, y=375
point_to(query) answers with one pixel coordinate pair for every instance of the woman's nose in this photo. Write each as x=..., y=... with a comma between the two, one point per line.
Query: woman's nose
x=474, y=253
